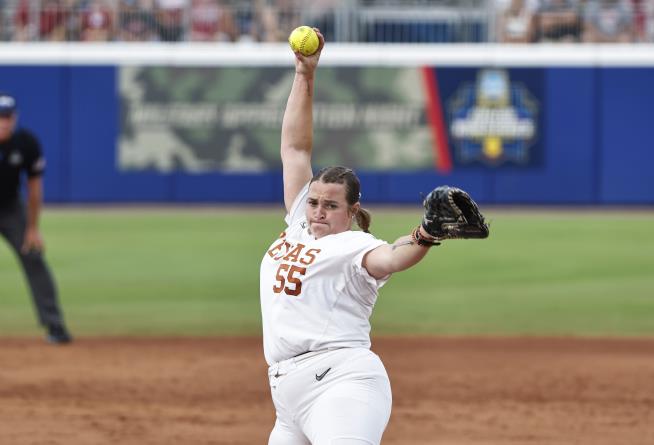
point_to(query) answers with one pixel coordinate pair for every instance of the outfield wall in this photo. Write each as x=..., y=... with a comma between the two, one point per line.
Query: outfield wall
x=588, y=111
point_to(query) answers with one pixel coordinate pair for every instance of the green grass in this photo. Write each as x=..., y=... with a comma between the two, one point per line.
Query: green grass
x=176, y=272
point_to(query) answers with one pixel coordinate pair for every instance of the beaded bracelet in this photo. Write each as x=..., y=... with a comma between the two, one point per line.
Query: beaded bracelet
x=421, y=241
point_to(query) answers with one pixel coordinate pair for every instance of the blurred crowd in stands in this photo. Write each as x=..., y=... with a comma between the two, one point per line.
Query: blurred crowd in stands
x=440, y=21
x=596, y=21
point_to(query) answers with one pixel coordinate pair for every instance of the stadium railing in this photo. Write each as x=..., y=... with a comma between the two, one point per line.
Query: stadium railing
x=365, y=21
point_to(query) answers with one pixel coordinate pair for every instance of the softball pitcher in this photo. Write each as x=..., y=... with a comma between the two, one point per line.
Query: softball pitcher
x=318, y=284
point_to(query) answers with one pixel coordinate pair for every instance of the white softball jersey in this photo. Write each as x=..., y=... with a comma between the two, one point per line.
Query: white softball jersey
x=315, y=293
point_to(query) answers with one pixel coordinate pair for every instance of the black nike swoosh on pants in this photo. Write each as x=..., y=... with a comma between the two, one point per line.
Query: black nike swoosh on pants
x=320, y=377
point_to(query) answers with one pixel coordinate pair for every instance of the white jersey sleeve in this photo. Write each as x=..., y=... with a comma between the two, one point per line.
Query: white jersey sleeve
x=298, y=208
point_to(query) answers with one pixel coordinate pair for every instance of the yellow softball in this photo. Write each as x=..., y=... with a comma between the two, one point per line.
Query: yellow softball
x=304, y=39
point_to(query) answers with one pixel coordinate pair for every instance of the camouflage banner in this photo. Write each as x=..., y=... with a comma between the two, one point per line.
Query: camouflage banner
x=198, y=119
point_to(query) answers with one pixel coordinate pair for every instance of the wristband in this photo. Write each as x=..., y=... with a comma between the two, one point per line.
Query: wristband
x=421, y=241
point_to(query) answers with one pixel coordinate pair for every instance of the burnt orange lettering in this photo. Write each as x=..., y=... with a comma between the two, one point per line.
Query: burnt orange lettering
x=294, y=276
x=279, y=255
x=294, y=254
x=295, y=280
x=311, y=254
x=276, y=248
x=280, y=278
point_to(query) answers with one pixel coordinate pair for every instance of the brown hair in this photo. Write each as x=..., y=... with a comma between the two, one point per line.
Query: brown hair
x=344, y=175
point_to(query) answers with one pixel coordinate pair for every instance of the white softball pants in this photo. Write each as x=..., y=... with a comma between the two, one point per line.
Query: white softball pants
x=337, y=397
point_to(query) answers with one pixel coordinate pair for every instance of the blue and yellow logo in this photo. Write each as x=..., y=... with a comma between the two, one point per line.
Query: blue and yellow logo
x=493, y=121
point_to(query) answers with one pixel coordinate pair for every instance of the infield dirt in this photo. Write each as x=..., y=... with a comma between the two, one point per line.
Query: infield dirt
x=457, y=391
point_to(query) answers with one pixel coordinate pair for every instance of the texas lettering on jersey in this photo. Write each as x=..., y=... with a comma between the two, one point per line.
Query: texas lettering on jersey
x=294, y=259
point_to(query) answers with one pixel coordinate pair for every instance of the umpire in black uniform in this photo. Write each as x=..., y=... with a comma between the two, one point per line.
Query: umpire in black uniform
x=20, y=152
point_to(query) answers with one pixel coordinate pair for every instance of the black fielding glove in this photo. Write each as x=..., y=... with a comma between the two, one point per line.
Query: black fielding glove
x=451, y=213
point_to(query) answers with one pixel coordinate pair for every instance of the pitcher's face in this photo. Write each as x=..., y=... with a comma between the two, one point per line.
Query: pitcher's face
x=328, y=212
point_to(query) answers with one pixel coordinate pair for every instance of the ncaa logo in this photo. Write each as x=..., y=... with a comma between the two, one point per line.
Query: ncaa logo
x=493, y=121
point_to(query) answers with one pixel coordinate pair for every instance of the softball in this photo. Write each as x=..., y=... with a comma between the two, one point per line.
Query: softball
x=304, y=39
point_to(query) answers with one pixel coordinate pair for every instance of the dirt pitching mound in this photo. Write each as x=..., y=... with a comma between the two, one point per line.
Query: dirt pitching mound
x=138, y=391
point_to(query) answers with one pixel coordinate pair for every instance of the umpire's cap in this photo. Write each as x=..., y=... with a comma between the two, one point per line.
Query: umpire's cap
x=7, y=105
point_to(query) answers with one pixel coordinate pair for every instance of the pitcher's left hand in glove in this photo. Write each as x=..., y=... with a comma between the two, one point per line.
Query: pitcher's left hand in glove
x=451, y=213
